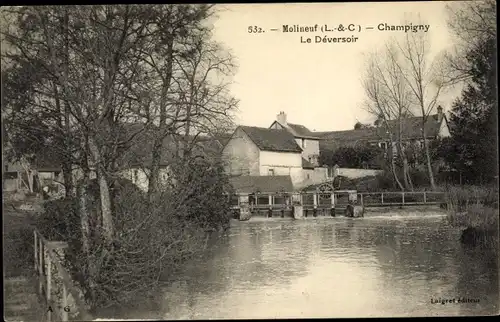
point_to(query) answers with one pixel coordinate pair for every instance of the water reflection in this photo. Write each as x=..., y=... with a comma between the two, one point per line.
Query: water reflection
x=332, y=268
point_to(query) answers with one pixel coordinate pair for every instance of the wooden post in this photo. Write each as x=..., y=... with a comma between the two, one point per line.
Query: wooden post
x=382, y=197
x=40, y=265
x=403, y=197
x=65, y=303
x=333, y=200
x=425, y=197
x=361, y=195
x=270, y=201
x=36, y=250
x=315, y=200
x=49, y=282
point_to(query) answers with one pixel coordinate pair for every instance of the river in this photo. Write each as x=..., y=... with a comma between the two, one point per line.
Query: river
x=392, y=264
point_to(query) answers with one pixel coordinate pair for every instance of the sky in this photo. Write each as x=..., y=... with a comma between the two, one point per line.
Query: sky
x=316, y=84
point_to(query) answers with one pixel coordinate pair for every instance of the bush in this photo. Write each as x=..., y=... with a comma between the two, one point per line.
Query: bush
x=18, y=250
x=420, y=178
x=60, y=220
x=202, y=190
x=384, y=181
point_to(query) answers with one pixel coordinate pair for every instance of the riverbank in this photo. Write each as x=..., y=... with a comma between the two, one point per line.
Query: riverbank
x=474, y=210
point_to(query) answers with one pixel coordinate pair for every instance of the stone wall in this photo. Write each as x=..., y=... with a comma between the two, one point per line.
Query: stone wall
x=356, y=173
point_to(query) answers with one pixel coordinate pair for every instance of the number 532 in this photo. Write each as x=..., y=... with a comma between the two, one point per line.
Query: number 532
x=254, y=29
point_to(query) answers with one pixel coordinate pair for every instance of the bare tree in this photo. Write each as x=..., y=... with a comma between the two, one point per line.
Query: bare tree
x=424, y=76
x=396, y=96
x=187, y=100
x=378, y=104
x=472, y=23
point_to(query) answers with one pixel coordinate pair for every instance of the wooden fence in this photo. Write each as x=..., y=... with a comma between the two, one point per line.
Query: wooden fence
x=381, y=199
x=55, y=284
x=267, y=203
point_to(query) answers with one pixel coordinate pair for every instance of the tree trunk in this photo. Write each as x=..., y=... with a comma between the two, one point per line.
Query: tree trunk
x=158, y=141
x=68, y=178
x=393, y=166
x=87, y=263
x=84, y=214
x=406, y=173
x=157, y=149
x=402, y=154
x=428, y=160
x=104, y=193
x=67, y=163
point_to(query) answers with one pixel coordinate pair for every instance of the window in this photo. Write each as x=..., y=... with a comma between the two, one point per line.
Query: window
x=270, y=172
x=136, y=175
x=308, y=176
x=310, y=159
x=383, y=145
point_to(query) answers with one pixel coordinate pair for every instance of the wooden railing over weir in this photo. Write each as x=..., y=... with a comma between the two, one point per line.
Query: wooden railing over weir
x=55, y=284
x=339, y=199
x=407, y=198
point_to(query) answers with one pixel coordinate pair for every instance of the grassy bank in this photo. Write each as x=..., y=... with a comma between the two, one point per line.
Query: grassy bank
x=475, y=210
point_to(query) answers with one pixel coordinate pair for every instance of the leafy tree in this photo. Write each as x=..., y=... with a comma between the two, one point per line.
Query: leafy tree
x=473, y=119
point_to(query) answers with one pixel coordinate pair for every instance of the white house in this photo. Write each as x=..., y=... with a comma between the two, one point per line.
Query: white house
x=256, y=151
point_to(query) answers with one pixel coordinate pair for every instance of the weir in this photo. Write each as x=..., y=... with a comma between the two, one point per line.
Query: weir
x=322, y=202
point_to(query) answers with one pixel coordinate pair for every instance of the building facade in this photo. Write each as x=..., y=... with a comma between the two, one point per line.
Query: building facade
x=255, y=151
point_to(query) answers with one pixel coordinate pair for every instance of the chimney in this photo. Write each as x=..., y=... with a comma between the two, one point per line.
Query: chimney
x=281, y=118
x=440, y=113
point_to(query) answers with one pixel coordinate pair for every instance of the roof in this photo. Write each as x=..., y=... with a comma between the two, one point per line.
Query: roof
x=298, y=130
x=411, y=130
x=223, y=138
x=354, y=135
x=272, y=139
x=251, y=184
x=139, y=150
x=306, y=164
